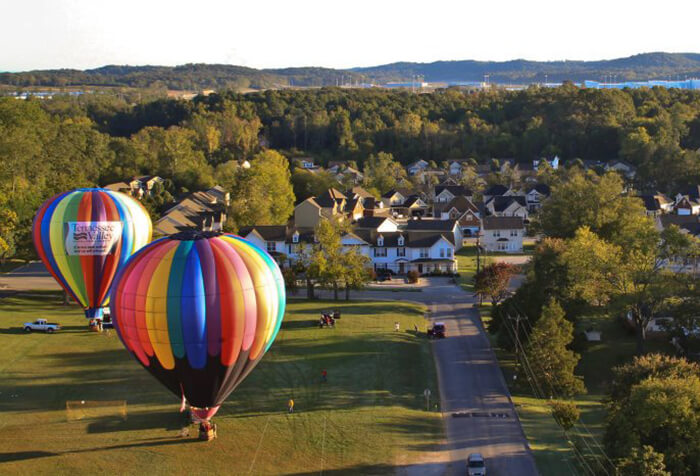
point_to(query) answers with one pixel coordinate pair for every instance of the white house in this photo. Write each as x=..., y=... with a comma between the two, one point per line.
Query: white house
x=508, y=206
x=504, y=234
x=416, y=167
x=536, y=196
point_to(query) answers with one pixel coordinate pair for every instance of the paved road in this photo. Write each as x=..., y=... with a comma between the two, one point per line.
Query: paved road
x=472, y=386
x=30, y=277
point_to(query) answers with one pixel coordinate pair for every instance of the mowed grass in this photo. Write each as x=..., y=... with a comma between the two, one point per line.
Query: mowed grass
x=368, y=418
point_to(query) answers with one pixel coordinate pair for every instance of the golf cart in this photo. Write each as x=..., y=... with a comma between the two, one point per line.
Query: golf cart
x=437, y=331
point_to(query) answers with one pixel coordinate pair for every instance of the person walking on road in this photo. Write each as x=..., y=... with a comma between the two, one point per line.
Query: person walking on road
x=290, y=405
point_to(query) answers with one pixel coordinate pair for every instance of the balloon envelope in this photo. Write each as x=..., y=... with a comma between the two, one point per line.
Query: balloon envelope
x=85, y=236
x=199, y=310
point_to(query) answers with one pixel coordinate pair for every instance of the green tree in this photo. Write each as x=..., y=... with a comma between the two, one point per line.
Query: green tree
x=550, y=360
x=644, y=462
x=382, y=173
x=355, y=270
x=263, y=193
x=566, y=414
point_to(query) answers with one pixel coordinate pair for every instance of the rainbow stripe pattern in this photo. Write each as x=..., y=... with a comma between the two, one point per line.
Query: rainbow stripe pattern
x=85, y=236
x=199, y=310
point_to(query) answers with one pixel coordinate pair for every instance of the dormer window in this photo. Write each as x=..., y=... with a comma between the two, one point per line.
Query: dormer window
x=380, y=241
x=401, y=241
x=295, y=238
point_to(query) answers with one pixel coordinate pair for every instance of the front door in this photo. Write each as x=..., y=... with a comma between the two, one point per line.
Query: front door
x=401, y=268
x=420, y=268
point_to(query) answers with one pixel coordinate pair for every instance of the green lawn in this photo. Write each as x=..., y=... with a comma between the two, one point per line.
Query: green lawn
x=368, y=418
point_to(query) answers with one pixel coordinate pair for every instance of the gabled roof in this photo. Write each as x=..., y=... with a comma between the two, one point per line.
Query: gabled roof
x=503, y=223
x=412, y=200
x=693, y=192
x=461, y=204
x=501, y=203
x=391, y=193
x=430, y=225
x=654, y=202
x=310, y=200
x=427, y=241
x=678, y=220
x=542, y=188
x=267, y=232
x=329, y=198
x=359, y=191
x=455, y=190
x=372, y=222
x=495, y=190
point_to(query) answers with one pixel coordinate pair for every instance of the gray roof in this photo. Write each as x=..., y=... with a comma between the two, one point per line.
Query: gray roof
x=497, y=189
x=430, y=225
x=503, y=223
x=268, y=232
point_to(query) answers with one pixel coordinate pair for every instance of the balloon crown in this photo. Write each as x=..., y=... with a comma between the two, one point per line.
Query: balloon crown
x=193, y=235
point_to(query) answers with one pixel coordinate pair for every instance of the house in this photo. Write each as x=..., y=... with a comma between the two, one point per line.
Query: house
x=137, y=187
x=358, y=192
x=687, y=223
x=428, y=175
x=380, y=224
x=497, y=190
x=553, y=163
x=626, y=169
x=346, y=174
x=203, y=210
x=464, y=211
x=536, y=196
x=445, y=193
x=503, y=234
x=308, y=213
x=416, y=167
x=271, y=238
x=686, y=206
x=393, y=198
x=507, y=206
x=421, y=228
x=306, y=163
x=402, y=251
x=414, y=206
x=657, y=204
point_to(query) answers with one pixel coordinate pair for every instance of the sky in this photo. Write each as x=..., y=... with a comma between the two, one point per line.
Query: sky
x=82, y=34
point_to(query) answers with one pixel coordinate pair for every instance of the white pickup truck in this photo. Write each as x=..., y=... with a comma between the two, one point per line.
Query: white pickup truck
x=42, y=325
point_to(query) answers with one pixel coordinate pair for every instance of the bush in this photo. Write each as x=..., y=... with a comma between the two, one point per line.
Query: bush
x=566, y=414
x=372, y=274
x=412, y=276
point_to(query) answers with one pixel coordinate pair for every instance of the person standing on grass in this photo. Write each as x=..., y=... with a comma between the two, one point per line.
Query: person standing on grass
x=290, y=405
x=397, y=326
x=324, y=376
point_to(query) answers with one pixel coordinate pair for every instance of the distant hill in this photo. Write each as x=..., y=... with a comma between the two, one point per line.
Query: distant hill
x=638, y=67
x=216, y=76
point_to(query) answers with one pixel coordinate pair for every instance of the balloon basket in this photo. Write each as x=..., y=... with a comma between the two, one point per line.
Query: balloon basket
x=207, y=431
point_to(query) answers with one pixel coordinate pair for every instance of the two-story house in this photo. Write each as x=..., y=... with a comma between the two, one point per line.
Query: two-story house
x=504, y=234
x=507, y=206
x=536, y=196
x=445, y=193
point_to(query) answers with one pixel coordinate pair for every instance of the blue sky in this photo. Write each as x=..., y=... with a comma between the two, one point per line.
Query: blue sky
x=41, y=34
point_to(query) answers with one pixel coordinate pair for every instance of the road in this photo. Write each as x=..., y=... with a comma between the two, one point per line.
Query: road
x=479, y=415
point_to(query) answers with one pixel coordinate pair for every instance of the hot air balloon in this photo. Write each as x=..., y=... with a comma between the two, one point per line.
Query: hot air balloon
x=198, y=310
x=85, y=236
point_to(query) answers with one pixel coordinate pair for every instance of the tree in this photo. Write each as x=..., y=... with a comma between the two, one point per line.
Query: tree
x=663, y=413
x=328, y=254
x=566, y=414
x=355, y=270
x=644, y=462
x=592, y=201
x=492, y=281
x=631, y=279
x=382, y=173
x=551, y=363
x=263, y=194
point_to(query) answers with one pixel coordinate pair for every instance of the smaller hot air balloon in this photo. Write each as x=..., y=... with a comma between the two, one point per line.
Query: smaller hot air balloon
x=85, y=236
x=198, y=310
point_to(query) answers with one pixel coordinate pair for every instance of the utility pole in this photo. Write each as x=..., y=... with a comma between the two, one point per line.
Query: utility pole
x=517, y=320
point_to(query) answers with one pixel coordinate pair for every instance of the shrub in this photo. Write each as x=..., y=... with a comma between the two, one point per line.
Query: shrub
x=412, y=276
x=566, y=414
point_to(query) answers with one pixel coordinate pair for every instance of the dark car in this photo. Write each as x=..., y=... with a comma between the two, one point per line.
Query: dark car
x=437, y=331
x=384, y=274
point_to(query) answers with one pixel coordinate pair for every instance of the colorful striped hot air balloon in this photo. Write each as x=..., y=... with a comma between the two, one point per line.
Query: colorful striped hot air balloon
x=85, y=236
x=199, y=310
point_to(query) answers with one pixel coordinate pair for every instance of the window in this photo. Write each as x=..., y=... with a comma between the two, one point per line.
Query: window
x=513, y=232
x=442, y=252
x=424, y=252
x=295, y=238
x=271, y=246
x=380, y=252
x=449, y=252
x=380, y=241
x=401, y=252
x=401, y=241
x=293, y=249
x=497, y=233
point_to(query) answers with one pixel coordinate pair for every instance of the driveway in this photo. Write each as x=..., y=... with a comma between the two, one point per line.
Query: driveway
x=479, y=414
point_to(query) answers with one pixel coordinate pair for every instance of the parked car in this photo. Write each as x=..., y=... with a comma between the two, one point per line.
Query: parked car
x=437, y=331
x=476, y=465
x=384, y=274
x=42, y=325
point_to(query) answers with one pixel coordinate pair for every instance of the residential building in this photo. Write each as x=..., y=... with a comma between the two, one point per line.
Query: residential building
x=536, y=196
x=137, y=187
x=445, y=193
x=507, y=206
x=422, y=228
x=503, y=234
x=497, y=190
x=416, y=167
x=393, y=198
x=626, y=169
x=204, y=210
x=464, y=211
x=657, y=204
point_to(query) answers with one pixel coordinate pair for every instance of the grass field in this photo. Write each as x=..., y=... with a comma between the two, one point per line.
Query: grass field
x=368, y=418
